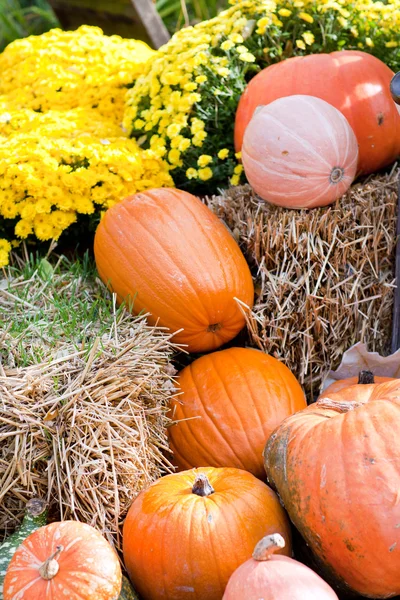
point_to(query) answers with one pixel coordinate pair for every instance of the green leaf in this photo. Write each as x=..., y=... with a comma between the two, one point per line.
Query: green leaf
x=45, y=269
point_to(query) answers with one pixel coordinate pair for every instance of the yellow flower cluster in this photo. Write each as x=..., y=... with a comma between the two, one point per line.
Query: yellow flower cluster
x=183, y=105
x=63, y=151
x=61, y=70
x=161, y=106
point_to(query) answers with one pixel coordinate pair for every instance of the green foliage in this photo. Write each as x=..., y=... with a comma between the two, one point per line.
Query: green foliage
x=20, y=18
x=178, y=13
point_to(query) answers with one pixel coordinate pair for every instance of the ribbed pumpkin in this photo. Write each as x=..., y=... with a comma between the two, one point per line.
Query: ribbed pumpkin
x=299, y=152
x=64, y=560
x=336, y=467
x=229, y=403
x=356, y=83
x=167, y=252
x=185, y=535
x=269, y=576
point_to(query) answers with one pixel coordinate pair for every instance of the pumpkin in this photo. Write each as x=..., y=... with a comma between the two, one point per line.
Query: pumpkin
x=275, y=577
x=35, y=517
x=186, y=534
x=229, y=403
x=64, y=560
x=299, y=152
x=167, y=252
x=127, y=590
x=354, y=82
x=338, y=385
x=336, y=467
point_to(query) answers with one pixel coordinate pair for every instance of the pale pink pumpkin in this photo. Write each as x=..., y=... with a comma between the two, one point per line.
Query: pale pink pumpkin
x=270, y=576
x=299, y=152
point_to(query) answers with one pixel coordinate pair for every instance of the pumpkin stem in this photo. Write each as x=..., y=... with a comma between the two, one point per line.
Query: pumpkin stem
x=202, y=486
x=214, y=327
x=50, y=567
x=268, y=546
x=366, y=377
x=35, y=507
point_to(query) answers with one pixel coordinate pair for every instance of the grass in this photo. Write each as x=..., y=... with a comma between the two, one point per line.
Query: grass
x=180, y=13
x=21, y=18
x=52, y=301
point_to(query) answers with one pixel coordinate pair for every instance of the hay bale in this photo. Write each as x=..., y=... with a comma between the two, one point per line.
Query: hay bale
x=324, y=278
x=87, y=430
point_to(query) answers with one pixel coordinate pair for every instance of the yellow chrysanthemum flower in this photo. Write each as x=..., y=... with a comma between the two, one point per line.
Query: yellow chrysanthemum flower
x=306, y=17
x=204, y=160
x=205, y=174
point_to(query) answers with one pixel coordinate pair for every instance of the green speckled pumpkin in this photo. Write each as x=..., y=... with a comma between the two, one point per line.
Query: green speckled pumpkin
x=127, y=591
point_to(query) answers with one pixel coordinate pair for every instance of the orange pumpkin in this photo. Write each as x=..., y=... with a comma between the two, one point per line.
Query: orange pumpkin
x=229, y=403
x=336, y=467
x=299, y=152
x=340, y=384
x=64, y=560
x=167, y=252
x=356, y=83
x=275, y=577
x=186, y=534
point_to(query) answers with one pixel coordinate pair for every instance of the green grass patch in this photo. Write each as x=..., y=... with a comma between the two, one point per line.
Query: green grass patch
x=49, y=304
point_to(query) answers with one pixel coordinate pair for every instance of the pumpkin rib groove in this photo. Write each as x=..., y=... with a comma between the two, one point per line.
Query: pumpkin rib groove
x=255, y=404
x=164, y=566
x=216, y=561
x=191, y=435
x=118, y=273
x=250, y=389
x=211, y=419
x=193, y=508
x=215, y=249
x=26, y=588
x=328, y=130
x=209, y=456
x=189, y=244
x=232, y=273
x=233, y=405
x=190, y=297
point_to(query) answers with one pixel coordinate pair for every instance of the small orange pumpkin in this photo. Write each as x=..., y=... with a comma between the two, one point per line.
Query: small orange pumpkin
x=272, y=576
x=167, y=252
x=229, y=404
x=186, y=534
x=299, y=152
x=64, y=560
x=340, y=384
x=336, y=467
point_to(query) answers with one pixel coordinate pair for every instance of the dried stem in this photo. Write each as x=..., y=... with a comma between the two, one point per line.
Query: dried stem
x=50, y=567
x=268, y=546
x=202, y=486
x=366, y=377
